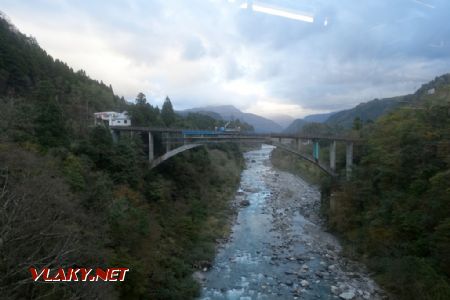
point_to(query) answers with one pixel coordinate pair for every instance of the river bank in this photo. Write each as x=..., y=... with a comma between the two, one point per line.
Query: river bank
x=278, y=248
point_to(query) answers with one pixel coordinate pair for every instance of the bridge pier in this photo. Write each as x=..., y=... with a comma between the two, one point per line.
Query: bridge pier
x=151, y=153
x=349, y=159
x=115, y=136
x=298, y=144
x=316, y=150
x=333, y=156
x=293, y=142
x=167, y=142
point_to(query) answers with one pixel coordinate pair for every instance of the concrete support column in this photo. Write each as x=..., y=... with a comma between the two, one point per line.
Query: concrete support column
x=115, y=136
x=349, y=159
x=316, y=150
x=298, y=143
x=151, y=154
x=280, y=140
x=167, y=142
x=333, y=156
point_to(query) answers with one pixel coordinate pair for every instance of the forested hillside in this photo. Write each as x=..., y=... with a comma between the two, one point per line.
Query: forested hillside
x=366, y=112
x=370, y=111
x=296, y=126
x=71, y=197
x=45, y=101
x=395, y=212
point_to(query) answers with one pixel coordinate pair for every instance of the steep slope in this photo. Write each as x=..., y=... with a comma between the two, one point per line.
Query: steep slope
x=214, y=115
x=71, y=196
x=372, y=110
x=25, y=67
x=229, y=112
x=295, y=126
x=42, y=98
x=299, y=124
x=369, y=111
x=396, y=211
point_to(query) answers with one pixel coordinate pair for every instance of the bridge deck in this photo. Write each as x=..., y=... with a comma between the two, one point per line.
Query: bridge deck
x=316, y=137
x=241, y=135
x=144, y=129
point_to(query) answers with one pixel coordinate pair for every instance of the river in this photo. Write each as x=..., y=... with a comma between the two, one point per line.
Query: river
x=278, y=248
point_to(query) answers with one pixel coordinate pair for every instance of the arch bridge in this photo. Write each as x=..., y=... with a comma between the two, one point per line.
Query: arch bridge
x=175, y=141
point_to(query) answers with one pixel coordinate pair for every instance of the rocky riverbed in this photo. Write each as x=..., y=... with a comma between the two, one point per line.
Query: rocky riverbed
x=278, y=248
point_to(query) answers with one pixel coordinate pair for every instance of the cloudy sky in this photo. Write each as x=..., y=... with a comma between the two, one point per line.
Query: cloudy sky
x=294, y=57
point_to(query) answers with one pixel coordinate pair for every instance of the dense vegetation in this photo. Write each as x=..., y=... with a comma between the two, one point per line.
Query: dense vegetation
x=396, y=209
x=70, y=197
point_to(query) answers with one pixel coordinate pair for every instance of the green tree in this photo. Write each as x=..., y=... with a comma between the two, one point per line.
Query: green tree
x=51, y=129
x=357, y=123
x=141, y=99
x=167, y=114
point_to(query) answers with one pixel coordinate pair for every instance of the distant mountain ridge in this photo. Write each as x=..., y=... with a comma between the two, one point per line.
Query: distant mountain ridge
x=319, y=118
x=371, y=110
x=211, y=114
x=368, y=111
x=229, y=112
x=281, y=119
x=298, y=124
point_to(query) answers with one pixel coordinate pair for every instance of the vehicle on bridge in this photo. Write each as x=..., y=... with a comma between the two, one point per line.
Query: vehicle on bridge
x=198, y=132
x=227, y=130
x=224, y=130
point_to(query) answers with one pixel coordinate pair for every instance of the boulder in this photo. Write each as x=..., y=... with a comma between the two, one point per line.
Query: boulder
x=334, y=289
x=347, y=295
x=198, y=277
x=244, y=203
x=304, y=283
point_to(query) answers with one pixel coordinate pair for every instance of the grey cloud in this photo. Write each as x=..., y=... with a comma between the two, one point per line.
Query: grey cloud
x=194, y=49
x=232, y=69
x=369, y=49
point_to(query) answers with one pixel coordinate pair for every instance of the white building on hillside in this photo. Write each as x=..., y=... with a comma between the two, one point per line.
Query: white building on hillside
x=113, y=118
